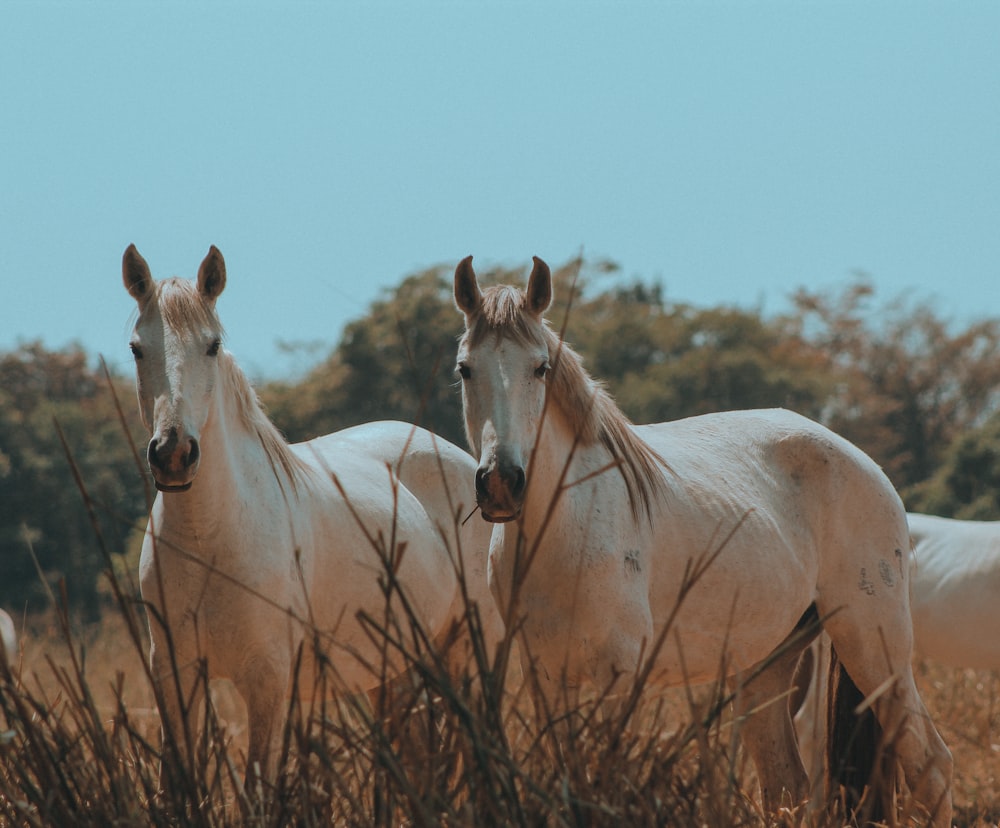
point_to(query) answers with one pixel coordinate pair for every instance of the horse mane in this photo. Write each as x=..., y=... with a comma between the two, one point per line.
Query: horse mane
x=183, y=308
x=251, y=409
x=591, y=412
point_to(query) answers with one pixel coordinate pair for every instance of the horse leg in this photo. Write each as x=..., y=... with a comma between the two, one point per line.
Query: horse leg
x=264, y=686
x=808, y=708
x=179, y=687
x=906, y=726
x=766, y=730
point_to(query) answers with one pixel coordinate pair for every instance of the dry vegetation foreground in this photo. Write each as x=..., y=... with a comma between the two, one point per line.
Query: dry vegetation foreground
x=79, y=744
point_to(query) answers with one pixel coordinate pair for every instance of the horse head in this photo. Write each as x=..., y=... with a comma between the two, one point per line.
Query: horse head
x=175, y=342
x=503, y=362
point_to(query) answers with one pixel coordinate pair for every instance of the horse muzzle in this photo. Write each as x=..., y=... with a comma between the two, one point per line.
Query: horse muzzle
x=500, y=494
x=173, y=461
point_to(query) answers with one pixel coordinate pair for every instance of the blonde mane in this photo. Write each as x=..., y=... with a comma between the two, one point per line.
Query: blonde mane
x=255, y=418
x=183, y=309
x=591, y=412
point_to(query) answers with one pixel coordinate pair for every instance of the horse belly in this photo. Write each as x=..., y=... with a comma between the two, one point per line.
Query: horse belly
x=739, y=608
x=955, y=615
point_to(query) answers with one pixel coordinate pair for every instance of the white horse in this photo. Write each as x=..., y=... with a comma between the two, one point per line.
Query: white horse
x=597, y=522
x=253, y=544
x=8, y=637
x=954, y=590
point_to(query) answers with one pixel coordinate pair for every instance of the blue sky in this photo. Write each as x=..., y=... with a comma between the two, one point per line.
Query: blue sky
x=733, y=151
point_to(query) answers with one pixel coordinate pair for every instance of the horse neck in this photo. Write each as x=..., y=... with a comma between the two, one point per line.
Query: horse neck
x=559, y=460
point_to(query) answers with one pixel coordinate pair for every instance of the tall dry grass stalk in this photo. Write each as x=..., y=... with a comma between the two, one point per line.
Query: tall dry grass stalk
x=433, y=749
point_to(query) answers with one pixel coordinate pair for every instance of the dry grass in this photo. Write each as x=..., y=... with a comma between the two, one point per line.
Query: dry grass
x=965, y=706
x=81, y=737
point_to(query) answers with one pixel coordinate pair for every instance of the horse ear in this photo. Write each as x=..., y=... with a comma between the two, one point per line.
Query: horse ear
x=539, y=295
x=468, y=297
x=136, y=276
x=212, y=274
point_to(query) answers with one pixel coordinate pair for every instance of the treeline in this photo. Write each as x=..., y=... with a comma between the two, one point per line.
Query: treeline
x=916, y=393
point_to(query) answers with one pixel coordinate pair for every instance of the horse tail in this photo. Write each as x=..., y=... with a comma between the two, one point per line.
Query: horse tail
x=855, y=750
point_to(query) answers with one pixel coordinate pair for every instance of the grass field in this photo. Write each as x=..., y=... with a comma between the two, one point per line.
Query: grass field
x=80, y=745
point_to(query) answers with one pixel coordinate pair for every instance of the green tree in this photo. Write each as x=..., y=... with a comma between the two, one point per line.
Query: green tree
x=667, y=361
x=897, y=380
x=905, y=384
x=394, y=363
x=41, y=506
x=967, y=484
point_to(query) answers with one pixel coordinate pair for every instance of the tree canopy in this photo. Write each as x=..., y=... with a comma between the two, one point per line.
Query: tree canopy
x=41, y=507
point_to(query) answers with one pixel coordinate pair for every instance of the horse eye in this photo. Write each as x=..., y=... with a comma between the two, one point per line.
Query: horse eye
x=542, y=370
x=463, y=371
x=213, y=349
x=136, y=350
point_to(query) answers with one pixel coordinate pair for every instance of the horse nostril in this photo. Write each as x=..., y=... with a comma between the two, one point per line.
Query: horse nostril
x=171, y=455
x=517, y=485
x=482, y=482
x=193, y=454
x=151, y=454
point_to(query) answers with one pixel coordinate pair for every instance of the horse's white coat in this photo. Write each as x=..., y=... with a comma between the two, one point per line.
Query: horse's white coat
x=253, y=543
x=8, y=636
x=955, y=590
x=801, y=517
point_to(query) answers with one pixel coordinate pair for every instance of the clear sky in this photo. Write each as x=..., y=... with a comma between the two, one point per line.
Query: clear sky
x=732, y=150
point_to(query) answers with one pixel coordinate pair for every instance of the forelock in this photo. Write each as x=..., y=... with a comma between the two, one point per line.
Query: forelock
x=183, y=307
x=503, y=314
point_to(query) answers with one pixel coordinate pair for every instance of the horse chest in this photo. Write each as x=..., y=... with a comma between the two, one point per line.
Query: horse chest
x=583, y=600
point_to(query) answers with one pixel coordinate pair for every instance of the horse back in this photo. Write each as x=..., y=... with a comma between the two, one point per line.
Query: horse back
x=785, y=472
x=440, y=475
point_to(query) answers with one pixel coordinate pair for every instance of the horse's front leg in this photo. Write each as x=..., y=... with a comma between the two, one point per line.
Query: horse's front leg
x=179, y=687
x=264, y=686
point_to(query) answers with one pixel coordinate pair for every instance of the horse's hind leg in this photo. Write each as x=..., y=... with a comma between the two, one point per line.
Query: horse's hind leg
x=767, y=731
x=876, y=654
x=808, y=708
